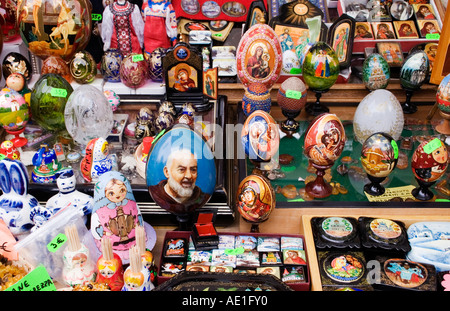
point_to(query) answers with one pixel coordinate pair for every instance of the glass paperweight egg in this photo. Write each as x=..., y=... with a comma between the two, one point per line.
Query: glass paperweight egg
x=14, y=114
x=379, y=156
x=16, y=63
x=83, y=67
x=59, y=28
x=48, y=101
x=260, y=137
x=379, y=111
x=56, y=65
x=376, y=72
x=256, y=97
x=255, y=199
x=134, y=70
x=181, y=191
x=8, y=22
x=110, y=65
x=155, y=64
x=88, y=114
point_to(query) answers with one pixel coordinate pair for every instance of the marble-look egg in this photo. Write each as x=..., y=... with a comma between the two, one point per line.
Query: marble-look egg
x=430, y=160
x=415, y=70
x=320, y=67
x=16, y=63
x=379, y=111
x=83, y=67
x=375, y=72
x=134, y=70
x=443, y=94
x=324, y=139
x=379, y=155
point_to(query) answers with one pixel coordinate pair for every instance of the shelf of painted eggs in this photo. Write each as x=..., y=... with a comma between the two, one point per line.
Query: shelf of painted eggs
x=443, y=103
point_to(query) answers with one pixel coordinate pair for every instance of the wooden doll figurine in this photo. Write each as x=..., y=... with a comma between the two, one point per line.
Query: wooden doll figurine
x=160, y=30
x=78, y=266
x=136, y=276
x=123, y=28
x=109, y=266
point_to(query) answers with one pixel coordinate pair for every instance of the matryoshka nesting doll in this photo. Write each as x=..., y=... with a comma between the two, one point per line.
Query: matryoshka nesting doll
x=137, y=276
x=8, y=150
x=109, y=266
x=429, y=163
x=115, y=213
x=97, y=160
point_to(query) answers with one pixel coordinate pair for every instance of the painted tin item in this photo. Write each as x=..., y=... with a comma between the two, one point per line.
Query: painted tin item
x=16, y=62
x=15, y=202
x=55, y=28
x=110, y=65
x=379, y=157
x=8, y=150
x=408, y=275
x=260, y=136
x=88, y=114
x=56, y=65
x=383, y=234
x=8, y=23
x=415, y=70
x=46, y=165
x=14, y=115
x=97, y=160
x=155, y=64
x=134, y=70
x=256, y=97
x=375, y=72
x=291, y=98
x=379, y=111
x=48, y=101
x=255, y=198
x=320, y=67
x=259, y=56
x=83, y=67
x=335, y=232
x=344, y=268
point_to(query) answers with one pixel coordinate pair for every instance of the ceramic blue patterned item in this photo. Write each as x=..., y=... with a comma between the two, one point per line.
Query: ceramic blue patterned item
x=46, y=165
x=430, y=243
x=256, y=97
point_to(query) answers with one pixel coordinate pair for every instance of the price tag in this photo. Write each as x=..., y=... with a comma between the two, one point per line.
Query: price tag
x=137, y=58
x=235, y=251
x=37, y=280
x=96, y=17
x=57, y=242
x=293, y=94
x=217, y=35
x=432, y=145
x=395, y=147
x=158, y=136
x=57, y=92
x=295, y=71
x=432, y=36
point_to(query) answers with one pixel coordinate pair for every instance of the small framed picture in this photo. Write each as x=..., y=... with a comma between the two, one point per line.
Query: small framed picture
x=210, y=82
x=401, y=10
x=363, y=30
x=424, y=11
x=428, y=27
x=340, y=37
x=392, y=53
x=383, y=30
x=405, y=29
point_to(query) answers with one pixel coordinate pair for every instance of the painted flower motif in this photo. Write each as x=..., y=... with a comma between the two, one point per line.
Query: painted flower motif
x=446, y=282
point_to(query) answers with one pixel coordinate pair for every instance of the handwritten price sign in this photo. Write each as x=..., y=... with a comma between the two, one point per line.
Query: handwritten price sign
x=57, y=242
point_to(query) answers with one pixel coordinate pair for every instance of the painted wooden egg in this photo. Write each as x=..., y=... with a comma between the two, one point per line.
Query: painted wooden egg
x=259, y=56
x=430, y=160
x=16, y=63
x=324, y=139
x=167, y=106
x=320, y=67
x=256, y=97
x=260, y=137
x=48, y=101
x=292, y=94
x=155, y=64
x=14, y=110
x=375, y=72
x=379, y=111
x=56, y=65
x=83, y=67
x=133, y=70
x=59, y=28
x=255, y=198
x=415, y=70
x=379, y=155
x=110, y=65
x=16, y=82
x=183, y=170
x=443, y=94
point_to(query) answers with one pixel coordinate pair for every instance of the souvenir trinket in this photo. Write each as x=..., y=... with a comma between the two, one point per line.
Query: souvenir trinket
x=46, y=165
x=275, y=271
x=78, y=265
x=221, y=257
x=383, y=234
x=226, y=241
x=8, y=150
x=293, y=275
x=256, y=97
x=109, y=266
x=83, y=67
x=335, y=232
x=429, y=163
x=56, y=65
x=167, y=106
x=247, y=259
x=270, y=259
x=379, y=111
x=268, y=244
x=430, y=244
x=97, y=160
x=145, y=124
x=291, y=98
x=443, y=102
x=146, y=254
x=443, y=281
x=413, y=74
x=15, y=203
x=204, y=233
x=247, y=242
x=199, y=258
x=66, y=30
x=113, y=99
x=376, y=72
x=324, y=142
x=14, y=115
x=185, y=119
x=221, y=269
x=379, y=156
x=291, y=243
x=199, y=268
x=181, y=193
x=294, y=257
x=255, y=200
x=320, y=71
x=171, y=269
x=175, y=248
x=110, y=65
x=155, y=64
x=133, y=70
x=17, y=63
x=136, y=277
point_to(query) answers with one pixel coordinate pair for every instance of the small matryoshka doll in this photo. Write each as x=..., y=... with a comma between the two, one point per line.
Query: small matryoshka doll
x=136, y=276
x=78, y=266
x=109, y=266
x=8, y=149
x=97, y=160
x=146, y=255
x=115, y=213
